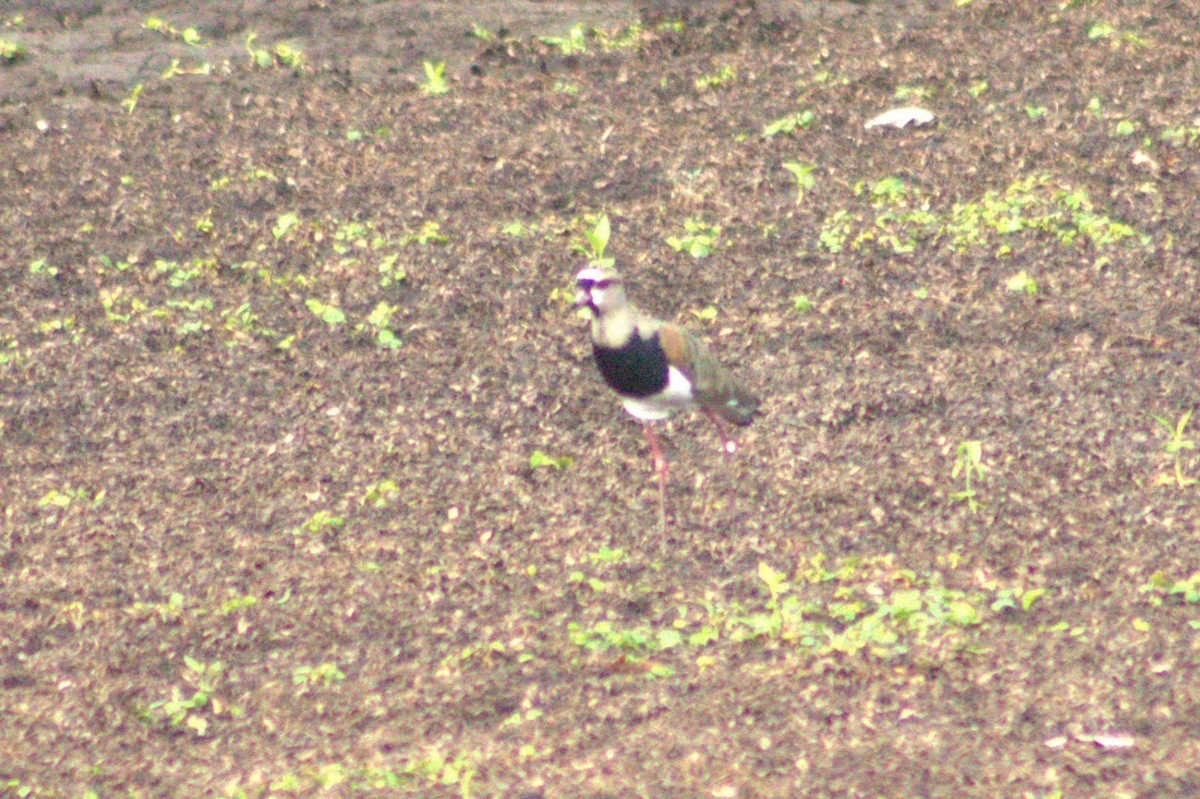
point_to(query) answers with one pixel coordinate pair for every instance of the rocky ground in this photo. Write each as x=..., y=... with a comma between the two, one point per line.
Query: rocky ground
x=311, y=488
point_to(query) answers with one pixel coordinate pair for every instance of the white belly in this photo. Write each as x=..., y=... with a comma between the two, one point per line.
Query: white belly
x=676, y=396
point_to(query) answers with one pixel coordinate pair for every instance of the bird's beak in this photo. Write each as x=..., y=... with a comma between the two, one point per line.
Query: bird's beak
x=584, y=297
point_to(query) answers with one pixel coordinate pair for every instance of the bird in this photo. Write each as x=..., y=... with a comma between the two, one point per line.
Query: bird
x=657, y=367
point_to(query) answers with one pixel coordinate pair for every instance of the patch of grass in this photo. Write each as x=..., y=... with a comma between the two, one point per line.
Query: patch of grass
x=1028, y=206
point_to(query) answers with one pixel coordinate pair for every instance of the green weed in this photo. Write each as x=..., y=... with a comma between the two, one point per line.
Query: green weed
x=967, y=462
x=574, y=42
x=185, y=711
x=803, y=175
x=1022, y=282
x=595, y=241
x=699, y=238
x=789, y=123
x=281, y=55
x=379, y=322
x=539, y=460
x=724, y=74
x=1161, y=589
x=435, y=80
x=1175, y=446
x=322, y=674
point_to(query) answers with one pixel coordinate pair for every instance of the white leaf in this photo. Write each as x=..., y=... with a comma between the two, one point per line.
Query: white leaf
x=901, y=117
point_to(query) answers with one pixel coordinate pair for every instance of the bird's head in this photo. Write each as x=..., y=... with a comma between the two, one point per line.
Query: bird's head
x=600, y=289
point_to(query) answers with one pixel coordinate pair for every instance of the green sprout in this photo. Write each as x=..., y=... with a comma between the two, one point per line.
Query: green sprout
x=435, y=81
x=968, y=456
x=804, y=178
x=699, y=239
x=540, y=460
x=1175, y=446
x=329, y=314
x=10, y=51
x=788, y=123
x=1022, y=282
x=574, y=42
x=596, y=240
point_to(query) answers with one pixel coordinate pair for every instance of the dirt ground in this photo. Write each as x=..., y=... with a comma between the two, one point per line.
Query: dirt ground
x=310, y=487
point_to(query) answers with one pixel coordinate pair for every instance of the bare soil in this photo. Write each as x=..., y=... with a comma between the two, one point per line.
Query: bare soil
x=310, y=487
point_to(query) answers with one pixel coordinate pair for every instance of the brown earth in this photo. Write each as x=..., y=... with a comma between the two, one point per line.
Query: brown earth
x=311, y=489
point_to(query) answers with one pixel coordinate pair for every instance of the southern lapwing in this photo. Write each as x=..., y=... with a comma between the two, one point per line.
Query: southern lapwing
x=657, y=367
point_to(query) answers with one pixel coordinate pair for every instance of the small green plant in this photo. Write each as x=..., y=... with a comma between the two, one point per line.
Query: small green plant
x=699, y=238
x=1009, y=599
x=319, y=522
x=188, y=35
x=281, y=55
x=574, y=42
x=389, y=272
x=595, y=240
x=788, y=123
x=40, y=267
x=382, y=494
x=724, y=74
x=435, y=80
x=1100, y=30
x=10, y=51
x=633, y=644
x=1175, y=446
x=1035, y=111
x=131, y=100
x=968, y=463
x=977, y=88
x=1022, y=282
x=323, y=674
x=379, y=321
x=1160, y=589
x=801, y=303
x=429, y=232
x=329, y=314
x=440, y=770
x=184, y=711
x=284, y=223
x=540, y=460
x=803, y=175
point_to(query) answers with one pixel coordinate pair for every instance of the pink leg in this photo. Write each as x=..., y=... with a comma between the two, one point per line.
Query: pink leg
x=728, y=443
x=660, y=468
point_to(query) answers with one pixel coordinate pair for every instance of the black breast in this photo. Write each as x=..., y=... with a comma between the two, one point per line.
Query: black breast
x=637, y=369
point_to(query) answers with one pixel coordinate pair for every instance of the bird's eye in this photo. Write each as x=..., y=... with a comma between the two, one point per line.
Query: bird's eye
x=585, y=284
x=602, y=283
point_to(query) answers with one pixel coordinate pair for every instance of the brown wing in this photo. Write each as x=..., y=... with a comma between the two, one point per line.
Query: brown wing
x=716, y=388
